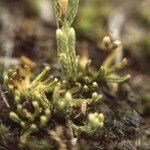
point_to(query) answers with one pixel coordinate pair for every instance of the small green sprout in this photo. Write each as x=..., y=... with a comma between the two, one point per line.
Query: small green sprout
x=95, y=122
x=3, y=130
x=65, y=13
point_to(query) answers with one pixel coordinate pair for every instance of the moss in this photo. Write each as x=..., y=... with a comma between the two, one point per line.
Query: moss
x=39, y=104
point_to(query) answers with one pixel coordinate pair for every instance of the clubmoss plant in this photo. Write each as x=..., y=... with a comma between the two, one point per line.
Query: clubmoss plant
x=38, y=104
x=30, y=109
x=65, y=11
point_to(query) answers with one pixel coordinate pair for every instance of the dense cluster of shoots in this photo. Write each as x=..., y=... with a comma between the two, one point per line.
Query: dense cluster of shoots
x=65, y=11
x=37, y=102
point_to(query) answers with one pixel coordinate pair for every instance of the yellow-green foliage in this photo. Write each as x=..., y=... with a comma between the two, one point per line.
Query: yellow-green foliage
x=32, y=110
x=65, y=13
x=37, y=103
